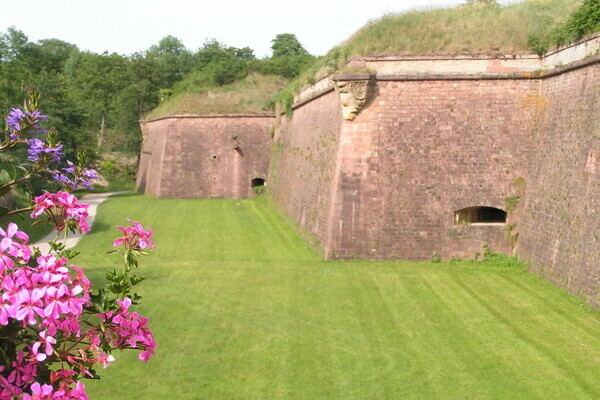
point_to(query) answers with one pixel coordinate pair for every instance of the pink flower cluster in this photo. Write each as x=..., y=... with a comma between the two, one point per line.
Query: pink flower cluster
x=47, y=392
x=135, y=237
x=129, y=330
x=63, y=211
x=48, y=302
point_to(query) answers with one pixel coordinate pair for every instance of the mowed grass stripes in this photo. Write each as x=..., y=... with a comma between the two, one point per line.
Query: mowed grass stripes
x=242, y=308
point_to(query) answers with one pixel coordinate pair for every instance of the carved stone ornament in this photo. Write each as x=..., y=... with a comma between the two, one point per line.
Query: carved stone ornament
x=353, y=96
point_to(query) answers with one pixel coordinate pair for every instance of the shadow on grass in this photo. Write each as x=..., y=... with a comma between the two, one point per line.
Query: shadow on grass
x=99, y=227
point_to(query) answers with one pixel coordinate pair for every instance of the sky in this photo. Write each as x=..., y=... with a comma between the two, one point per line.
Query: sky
x=129, y=26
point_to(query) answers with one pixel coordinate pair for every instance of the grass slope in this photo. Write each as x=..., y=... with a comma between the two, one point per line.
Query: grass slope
x=466, y=29
x=243, y=309
x=249, y=95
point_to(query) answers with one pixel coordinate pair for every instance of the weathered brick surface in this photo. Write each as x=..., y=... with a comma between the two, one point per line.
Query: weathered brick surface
x=560, y=227
x=196, y=157
x=302, y=172
x=423, y=150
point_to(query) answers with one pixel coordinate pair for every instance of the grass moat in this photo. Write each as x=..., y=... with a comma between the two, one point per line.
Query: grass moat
x=242, y=308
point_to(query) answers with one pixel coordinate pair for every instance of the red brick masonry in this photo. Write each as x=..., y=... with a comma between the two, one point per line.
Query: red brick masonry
x=387, y=184
x=204, y=156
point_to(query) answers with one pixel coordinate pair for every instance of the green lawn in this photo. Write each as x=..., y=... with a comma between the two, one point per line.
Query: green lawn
x=243, y=309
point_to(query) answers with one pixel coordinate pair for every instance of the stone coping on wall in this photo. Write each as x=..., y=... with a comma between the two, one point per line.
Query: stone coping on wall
x=466, y=64
x=480, y=63
x=438, y=57
x=186, y=116
x=317, y=89
x=483, y=76
x=445, y=77
x=586, y=47
x=307, y=98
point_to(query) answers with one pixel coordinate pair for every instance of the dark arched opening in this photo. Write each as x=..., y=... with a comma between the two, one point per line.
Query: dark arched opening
x=258, y=182
x=258, y=185
x=479, y=215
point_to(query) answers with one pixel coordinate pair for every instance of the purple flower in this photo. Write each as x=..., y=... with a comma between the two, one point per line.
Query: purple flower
x=15, y=116
x=65, y=180
x=71, y=168
x=90, y=173
x=18, y=120
x=81, y=177
x=38, y=151
x=13, y=121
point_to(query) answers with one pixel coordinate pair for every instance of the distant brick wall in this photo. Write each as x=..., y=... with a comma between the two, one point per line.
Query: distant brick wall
x=302, y=172
x=196, y=156
x=560, y=227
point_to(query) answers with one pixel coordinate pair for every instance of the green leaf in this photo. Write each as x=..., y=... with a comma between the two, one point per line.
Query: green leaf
x=70, y=253
x=134, y=279
x=4, y=177
x=98, y=301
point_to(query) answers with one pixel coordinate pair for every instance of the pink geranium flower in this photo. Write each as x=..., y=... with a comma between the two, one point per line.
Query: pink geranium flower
x=135, y=237
x=45, y=340
x=45, y=392
x=30, y=304
x=63, y=210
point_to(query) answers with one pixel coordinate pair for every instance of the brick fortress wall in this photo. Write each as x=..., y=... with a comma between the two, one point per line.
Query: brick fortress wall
x=424, y=150
x=516, y=134
x=204, y=156
x=559, y=232
x=500, y=134
x=303, y=163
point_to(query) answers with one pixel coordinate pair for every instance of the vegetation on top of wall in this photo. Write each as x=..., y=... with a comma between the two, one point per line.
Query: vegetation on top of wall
x=194, y=96
x=583, y=21
x=232, y=80
x=476, y=27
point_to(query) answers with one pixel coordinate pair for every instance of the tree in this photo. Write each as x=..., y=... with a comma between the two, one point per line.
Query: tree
x=15, y=74
x=221, y=64
x=289, y=57
x=48, y=55
x=95, y=81
x=286, y=44
x=171, y=60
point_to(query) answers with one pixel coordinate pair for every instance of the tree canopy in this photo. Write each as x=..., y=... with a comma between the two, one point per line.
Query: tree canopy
x=96, y=100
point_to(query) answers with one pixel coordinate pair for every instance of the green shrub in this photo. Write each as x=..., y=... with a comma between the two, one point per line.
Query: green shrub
x=583, y=21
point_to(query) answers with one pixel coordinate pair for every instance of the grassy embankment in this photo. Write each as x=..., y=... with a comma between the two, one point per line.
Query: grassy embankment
x=474, y=29
x=243, y=309
x=249, y=95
